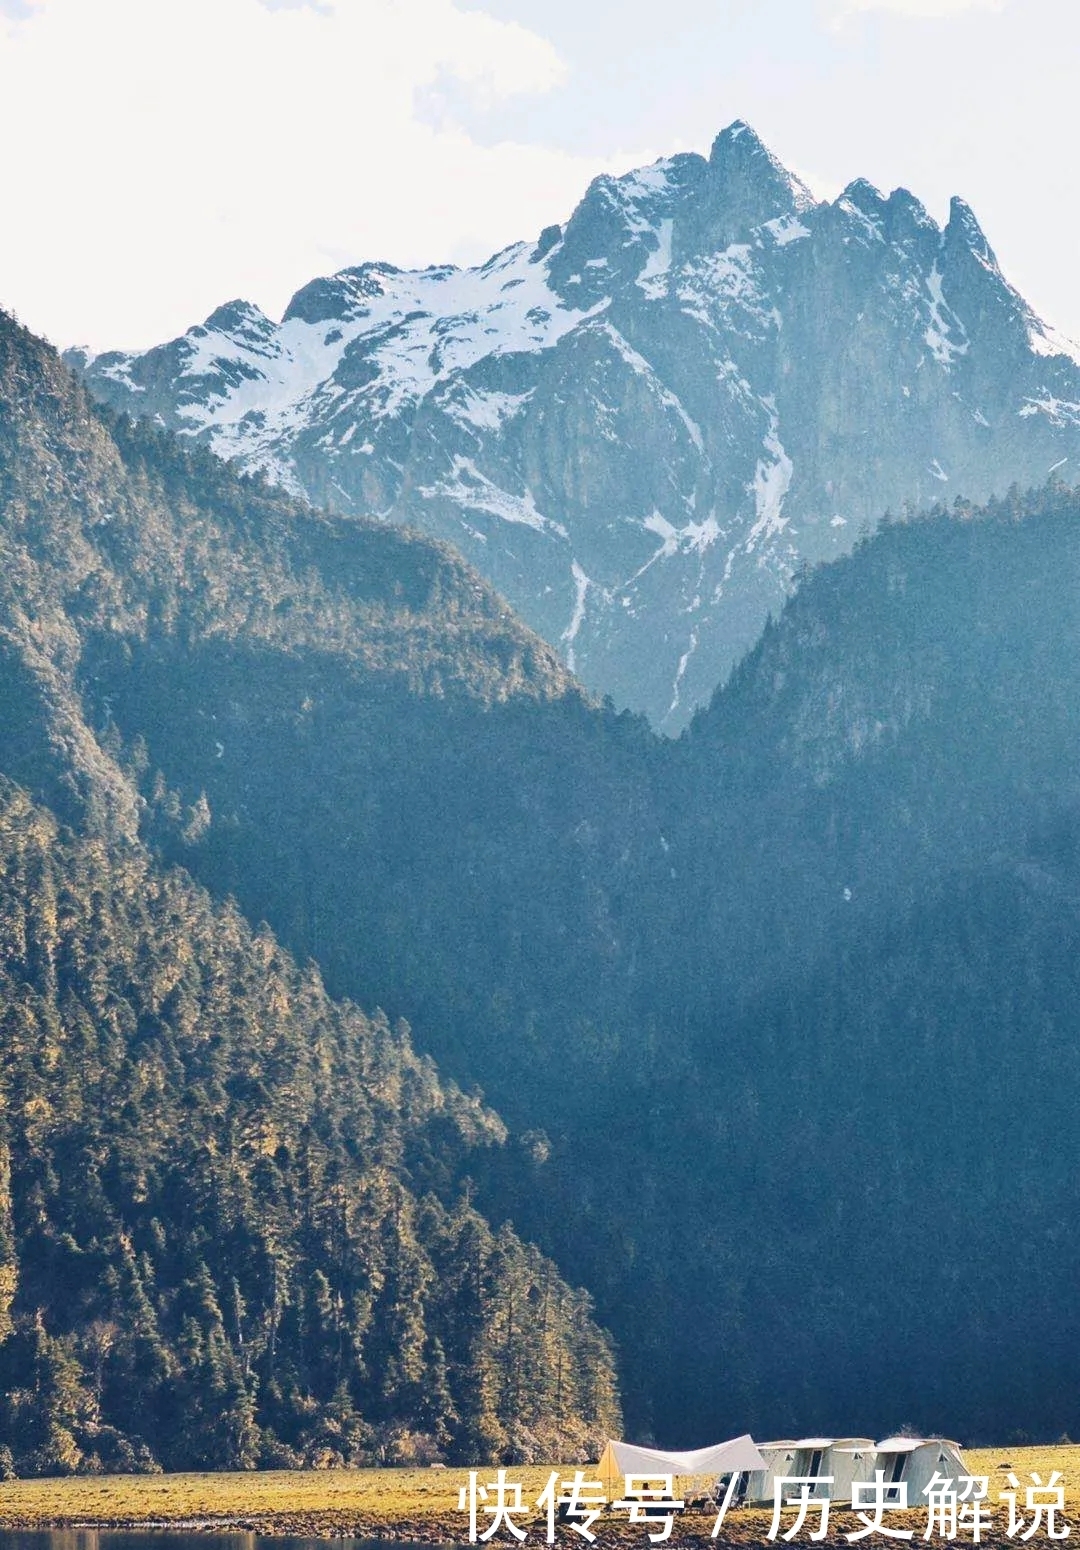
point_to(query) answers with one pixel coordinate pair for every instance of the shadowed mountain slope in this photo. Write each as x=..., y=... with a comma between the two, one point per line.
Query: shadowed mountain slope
x=782, y=1015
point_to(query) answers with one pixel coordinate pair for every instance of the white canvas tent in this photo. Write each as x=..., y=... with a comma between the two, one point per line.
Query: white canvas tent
x=844, y=1458
x=850, y=1459
x=778, y=1457
x=914, y=1460
x=723, y=1458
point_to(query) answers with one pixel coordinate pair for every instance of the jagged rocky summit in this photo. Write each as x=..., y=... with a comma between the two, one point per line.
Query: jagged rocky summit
x=640, y=426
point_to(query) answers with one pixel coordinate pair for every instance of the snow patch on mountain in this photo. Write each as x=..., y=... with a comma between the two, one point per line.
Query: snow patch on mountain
x=772, y=480
x=690, y=538
x=1057, y=411
x=725, y=292
x=680, y=673
x=785, y=229
x=1047, y=341
x=938, y=336
x=577, y=618
x=485, y=411
x=653, y=278
x=476, y=492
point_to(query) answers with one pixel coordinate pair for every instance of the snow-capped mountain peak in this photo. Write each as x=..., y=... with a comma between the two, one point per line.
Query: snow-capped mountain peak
x=642, y=422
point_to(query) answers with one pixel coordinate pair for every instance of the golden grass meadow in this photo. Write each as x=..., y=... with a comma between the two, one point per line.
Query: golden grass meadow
x=421, y=1504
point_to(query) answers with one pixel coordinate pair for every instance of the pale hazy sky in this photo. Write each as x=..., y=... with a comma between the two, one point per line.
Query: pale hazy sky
x=163, y=156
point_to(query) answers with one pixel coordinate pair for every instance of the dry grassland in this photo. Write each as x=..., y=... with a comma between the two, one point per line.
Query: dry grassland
x=421, y=1504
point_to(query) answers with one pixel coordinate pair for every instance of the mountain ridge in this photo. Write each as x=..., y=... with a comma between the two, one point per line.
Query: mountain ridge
x=639, y=427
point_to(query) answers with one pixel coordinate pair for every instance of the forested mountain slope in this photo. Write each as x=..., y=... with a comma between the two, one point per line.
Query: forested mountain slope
x=773, y=991
x=640, y=425
x=113, y=531
x=874, y=967
x=235, y=1222
x=782, y=1015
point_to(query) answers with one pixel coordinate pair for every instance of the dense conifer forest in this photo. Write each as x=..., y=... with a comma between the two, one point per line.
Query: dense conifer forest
x=236, y=1224
x=780, y=1018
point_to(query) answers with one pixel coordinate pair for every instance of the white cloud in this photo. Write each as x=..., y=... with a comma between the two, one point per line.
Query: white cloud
x=921, y=9
x=188, y=150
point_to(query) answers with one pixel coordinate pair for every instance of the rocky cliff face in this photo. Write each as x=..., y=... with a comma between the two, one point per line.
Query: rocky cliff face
x=642, y=425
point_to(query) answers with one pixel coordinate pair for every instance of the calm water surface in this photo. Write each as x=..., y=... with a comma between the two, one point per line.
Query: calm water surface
x=167, y=1539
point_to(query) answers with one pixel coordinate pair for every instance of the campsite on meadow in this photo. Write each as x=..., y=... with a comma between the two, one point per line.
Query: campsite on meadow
x=421, y=1505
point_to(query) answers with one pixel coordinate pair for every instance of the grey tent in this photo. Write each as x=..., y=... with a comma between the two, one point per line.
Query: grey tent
x=778, y=1458
x=843, y=1458
x=913, y=1461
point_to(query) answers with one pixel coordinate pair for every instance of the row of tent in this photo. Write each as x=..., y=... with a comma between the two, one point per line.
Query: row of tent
x=909, y=1460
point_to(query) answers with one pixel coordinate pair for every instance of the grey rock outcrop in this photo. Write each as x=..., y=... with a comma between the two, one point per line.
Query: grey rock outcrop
x=642, y=424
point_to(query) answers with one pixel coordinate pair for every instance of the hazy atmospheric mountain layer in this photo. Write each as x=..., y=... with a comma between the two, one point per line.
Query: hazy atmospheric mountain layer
x=641, y=425
x=781, y=1016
